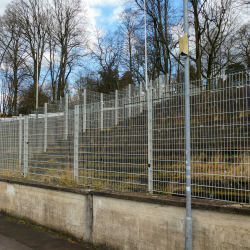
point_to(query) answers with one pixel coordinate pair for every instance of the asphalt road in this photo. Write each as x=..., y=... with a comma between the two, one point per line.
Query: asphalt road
x=18, y=236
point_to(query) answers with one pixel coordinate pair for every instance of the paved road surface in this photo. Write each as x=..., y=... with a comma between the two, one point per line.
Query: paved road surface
x=18, y=236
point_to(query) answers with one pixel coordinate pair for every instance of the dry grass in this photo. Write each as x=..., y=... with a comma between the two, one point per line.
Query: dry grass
x=220, y=167
x=216, y=167
x=225, y=169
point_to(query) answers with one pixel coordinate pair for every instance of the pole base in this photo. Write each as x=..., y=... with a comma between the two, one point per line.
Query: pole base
x=188, y=233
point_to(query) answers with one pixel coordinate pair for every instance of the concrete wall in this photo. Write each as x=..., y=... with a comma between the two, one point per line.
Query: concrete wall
x=115, y=221
x=127, y=225
x=61, y=211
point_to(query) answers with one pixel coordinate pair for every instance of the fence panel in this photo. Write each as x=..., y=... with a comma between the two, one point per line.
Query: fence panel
x=220, y=144
x=169, y=144
x=113, y=157
x=219, y=140
x=11, y=164
x=51, y=158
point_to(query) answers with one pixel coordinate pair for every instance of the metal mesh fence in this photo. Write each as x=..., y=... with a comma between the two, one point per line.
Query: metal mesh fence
x=219, y=139
x=11, y=148
x=134, y=141
x=169, y=144
x=220, y=143
x=112, y=156
x=50, y=153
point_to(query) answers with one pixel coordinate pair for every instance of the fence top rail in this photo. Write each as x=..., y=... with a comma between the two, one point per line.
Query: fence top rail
x=32, y=116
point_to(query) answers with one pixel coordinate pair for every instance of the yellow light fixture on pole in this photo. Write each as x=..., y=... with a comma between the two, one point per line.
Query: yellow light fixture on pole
x=183, y=43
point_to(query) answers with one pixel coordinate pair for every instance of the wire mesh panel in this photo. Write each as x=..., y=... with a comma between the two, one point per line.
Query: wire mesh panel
x=169, y=174
x=113, y=157
x=220, y=140
x=108, y=116
x=53, y=162
x=10, y=148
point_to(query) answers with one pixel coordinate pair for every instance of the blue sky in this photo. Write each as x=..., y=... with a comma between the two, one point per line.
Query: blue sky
x=102, y=13
x=108, y=19
x=108, y=11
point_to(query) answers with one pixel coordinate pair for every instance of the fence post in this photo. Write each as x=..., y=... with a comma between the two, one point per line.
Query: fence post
x=76, y=142
x=45, y=126
x=167, y=86
x=116, y=107
x=101, y=111
x=84, y=110
x=159, y=87
x=20, y=139
x=150, y=140
x=26, y=145
x=151, y=88
x=12, y=128
x=129, y=96
x=246, y=92
x=151, y=85
x=66, y=116
x=141, y=99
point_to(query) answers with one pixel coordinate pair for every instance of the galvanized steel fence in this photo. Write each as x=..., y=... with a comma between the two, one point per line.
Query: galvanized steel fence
x=134, y=140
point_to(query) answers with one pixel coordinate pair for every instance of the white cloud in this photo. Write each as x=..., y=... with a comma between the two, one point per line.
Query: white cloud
x=117, y=11
x=103, y=3
x=3, y=5
x=93, y=7
x=92, y=13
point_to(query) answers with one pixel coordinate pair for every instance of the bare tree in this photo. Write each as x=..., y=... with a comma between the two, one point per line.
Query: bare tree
x=52, y=57
x=220, y=25
x=160, y=18
x=213, y=24
x=67, y=38
x=130, y=29
x=14, y=56
x=32, y=20
x=107, y=54
x=243, y=45
x=197, y=7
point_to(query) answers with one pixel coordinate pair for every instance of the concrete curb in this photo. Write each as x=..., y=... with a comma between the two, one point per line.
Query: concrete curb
x=202, y=204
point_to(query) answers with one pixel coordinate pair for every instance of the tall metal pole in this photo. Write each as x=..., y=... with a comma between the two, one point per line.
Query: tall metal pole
x=37, y=78
x=37, y=57
x=146, y=49
x=188, y=221
x=150, y=111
